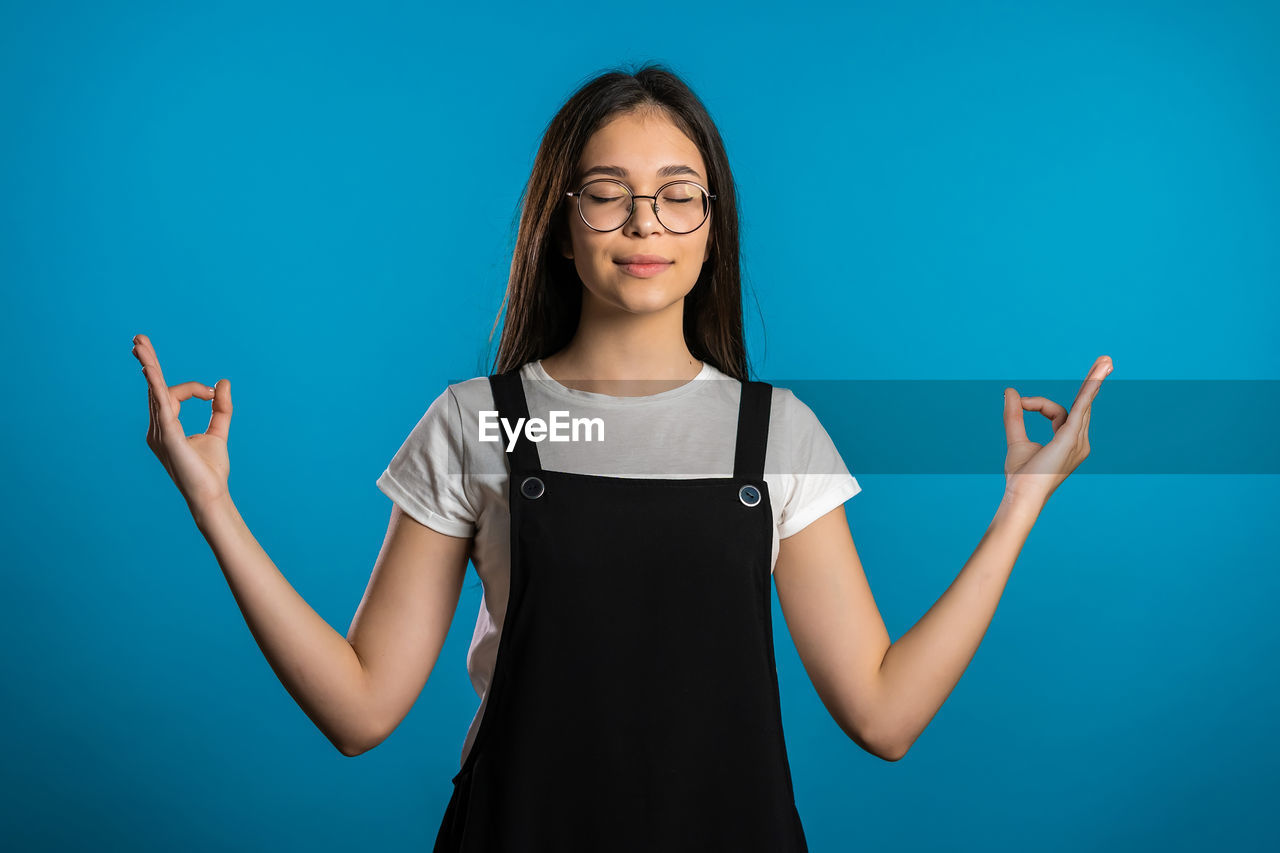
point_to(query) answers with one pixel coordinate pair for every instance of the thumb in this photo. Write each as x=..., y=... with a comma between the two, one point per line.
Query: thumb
x=1015, y=429
x=220, y=420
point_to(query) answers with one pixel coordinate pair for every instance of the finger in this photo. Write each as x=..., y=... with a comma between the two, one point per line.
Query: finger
x=153, y=410
x=155, y=377
x=1014, y=429
x=141, y=347
x=187, y=390
x=1089, y=389
x=140, y=344
x=161, y=415
x=1048, y=408
x=220, y=420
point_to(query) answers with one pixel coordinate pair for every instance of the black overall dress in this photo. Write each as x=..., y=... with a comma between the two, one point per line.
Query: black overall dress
x=634, y=700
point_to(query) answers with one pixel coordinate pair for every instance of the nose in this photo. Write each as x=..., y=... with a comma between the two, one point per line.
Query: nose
x=643, y=219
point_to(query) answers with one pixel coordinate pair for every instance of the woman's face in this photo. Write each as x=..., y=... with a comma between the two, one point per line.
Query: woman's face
x=638, y=145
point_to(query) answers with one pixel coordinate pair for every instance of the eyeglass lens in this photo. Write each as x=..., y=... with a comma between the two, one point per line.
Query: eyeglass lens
x=606, y=205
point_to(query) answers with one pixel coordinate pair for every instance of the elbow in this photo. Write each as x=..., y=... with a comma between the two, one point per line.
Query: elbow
x=351, y=751
x=889, y=746
x=351, y=747
x=894, y=754
x=879, y=745
x=887, y=751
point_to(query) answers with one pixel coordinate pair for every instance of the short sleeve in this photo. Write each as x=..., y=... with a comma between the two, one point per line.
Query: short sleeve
x=425, y=478
x=821, y=481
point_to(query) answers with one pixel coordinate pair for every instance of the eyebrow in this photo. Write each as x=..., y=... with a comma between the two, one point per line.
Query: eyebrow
x=665, y=172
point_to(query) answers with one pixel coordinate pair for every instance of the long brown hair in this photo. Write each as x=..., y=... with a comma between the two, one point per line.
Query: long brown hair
x=544, y=293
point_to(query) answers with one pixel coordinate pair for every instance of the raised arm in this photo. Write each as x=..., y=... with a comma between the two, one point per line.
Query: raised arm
x=836, y=627
x=884, y=694
x=355, y=689
x=403, y=620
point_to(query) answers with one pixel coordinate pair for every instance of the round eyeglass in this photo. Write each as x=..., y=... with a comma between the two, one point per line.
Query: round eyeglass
x=606, y=205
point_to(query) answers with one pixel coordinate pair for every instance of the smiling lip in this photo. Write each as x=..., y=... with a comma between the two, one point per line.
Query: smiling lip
x=644, y=270
x=642, y=259
x=643, y=266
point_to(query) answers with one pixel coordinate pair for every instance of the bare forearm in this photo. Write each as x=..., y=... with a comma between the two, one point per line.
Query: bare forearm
x=316, y=664
x=922, y=667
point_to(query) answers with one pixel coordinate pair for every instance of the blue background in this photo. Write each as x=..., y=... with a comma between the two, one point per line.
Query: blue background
x=316, y=202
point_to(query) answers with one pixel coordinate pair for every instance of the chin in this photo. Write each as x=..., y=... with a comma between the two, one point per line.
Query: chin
x=641, y=305
x=640, y=296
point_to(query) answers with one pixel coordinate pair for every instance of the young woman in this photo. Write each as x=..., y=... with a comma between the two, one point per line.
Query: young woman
x=623, y=649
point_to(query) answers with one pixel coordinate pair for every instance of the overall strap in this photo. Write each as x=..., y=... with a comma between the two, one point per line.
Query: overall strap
x=753, y=430
x=508, y=396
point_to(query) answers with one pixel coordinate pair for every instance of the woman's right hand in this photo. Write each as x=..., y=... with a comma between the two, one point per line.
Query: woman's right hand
x=198, y=465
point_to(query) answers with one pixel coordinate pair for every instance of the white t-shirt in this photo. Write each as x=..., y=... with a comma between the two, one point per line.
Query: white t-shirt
x=446, y=478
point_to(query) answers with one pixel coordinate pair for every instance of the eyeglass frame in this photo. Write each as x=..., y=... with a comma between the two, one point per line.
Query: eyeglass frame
x=578, y=195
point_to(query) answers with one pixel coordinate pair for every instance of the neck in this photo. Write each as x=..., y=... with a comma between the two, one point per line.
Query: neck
x=624, y=354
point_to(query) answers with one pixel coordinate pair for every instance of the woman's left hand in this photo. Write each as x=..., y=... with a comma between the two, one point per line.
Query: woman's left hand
x=1032, y=471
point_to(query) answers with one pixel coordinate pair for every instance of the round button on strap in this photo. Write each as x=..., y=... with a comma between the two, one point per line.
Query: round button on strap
x=532, y=487
x=749, y=495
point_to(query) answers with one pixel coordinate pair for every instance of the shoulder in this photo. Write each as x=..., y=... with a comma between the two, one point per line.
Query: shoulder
x=476, y=393
x=789, y=416
x=450, y=409
x=471, y=393
x=790, y=412
x=467, y=398
x=799, y=434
